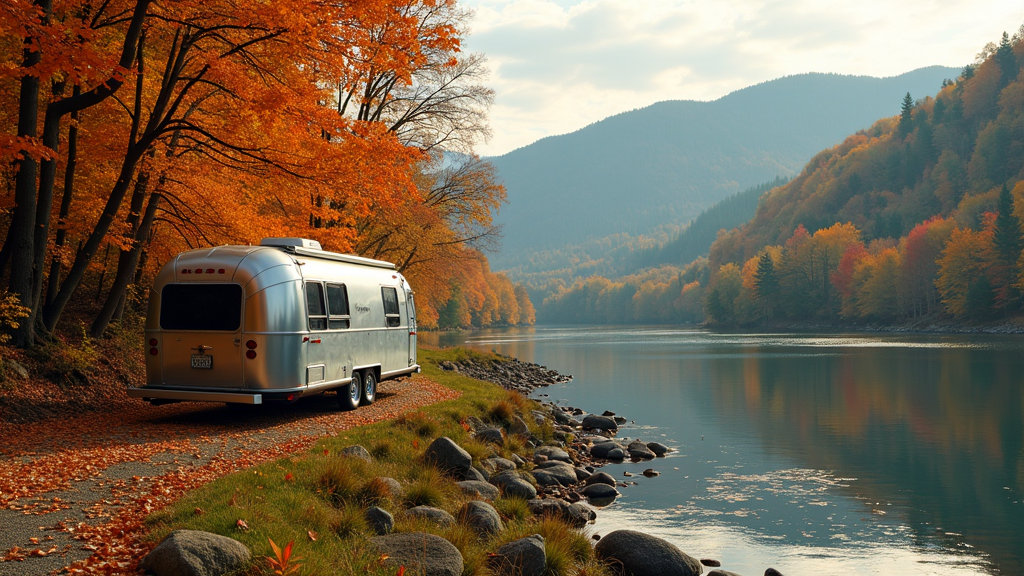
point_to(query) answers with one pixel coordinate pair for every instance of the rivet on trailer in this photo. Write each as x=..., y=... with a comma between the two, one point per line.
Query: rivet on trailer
x=278, y=321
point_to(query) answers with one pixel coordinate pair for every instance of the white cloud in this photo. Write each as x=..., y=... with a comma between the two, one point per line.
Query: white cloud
x=558, y=65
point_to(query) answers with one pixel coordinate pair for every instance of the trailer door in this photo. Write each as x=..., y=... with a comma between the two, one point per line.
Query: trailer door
x=202, y=329
x=412, y=328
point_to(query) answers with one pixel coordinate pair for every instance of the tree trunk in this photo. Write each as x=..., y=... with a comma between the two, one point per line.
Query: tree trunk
x=53, y=280
x=44, y=202
x=128, y=259
x=21, y=234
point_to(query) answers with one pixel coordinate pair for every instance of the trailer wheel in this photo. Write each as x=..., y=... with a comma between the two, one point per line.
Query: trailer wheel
x=369, y=388
x=348, y=396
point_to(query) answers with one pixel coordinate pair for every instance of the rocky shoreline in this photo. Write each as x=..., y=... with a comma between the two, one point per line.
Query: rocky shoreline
x=567, y=474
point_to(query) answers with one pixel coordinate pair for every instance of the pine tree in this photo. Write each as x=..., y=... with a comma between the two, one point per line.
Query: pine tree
x=1007, y=236
x=907, y=115
x=765, y=280
x=1007, y=61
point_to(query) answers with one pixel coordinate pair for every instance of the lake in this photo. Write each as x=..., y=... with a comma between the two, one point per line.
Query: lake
x=815, y=454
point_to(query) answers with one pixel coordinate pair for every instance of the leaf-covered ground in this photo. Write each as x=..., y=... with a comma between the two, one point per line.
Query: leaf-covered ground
x=74, y=491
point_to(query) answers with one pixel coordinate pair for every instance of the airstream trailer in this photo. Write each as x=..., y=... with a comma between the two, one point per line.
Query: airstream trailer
x=278, y=321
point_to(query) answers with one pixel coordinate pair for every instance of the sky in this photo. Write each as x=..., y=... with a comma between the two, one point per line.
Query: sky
x=559, y=65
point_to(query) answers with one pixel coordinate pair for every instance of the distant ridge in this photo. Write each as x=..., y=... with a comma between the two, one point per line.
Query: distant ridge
x=665, y=163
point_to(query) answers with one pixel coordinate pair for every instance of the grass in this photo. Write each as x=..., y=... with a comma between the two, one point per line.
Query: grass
x=325, y=494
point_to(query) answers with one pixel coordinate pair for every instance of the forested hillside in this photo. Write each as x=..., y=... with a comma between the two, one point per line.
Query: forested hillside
x=919, y=216
x=133, y=130
x=665, y=163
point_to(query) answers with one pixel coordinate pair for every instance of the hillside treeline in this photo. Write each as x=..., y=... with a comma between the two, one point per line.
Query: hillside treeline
x=918, y=216
x=135, y=129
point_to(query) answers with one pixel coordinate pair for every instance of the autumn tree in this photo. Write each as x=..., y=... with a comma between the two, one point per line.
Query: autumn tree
x=963, y=280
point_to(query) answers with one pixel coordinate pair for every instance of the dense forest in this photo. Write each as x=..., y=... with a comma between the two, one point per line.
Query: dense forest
x=133, y=130
x=917, y=217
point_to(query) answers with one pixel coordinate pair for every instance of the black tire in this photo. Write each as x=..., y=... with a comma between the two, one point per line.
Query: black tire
x=350, y=394
x=369, y=393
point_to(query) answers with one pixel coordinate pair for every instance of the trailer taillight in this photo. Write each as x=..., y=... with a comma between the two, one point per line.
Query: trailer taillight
x=251, y=344
x=153, y=342
x=153, y=351
x=250, y=354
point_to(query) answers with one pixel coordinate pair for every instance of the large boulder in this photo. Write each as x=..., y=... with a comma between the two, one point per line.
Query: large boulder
x=473, y=473
x=483, y=490
x=658, y=448
x=380, y=520
x=420, y=553
x=523, y=557
x=357, y=451
x=640, y=452
x=601, y=449
x=579, y=514
x=582, y=474
x=482, y=517
x=492, y=435
x=519, y=427
x=600, y=494
x=553, y=453
x=196, y=553
x=600, y=478
x=498, y=464
x=435, y=515
x=514, y=486
x=556, y=475
x=594, y=422
x=631, y=553
x=616, y=454
x=448, y=456
x=394, y=486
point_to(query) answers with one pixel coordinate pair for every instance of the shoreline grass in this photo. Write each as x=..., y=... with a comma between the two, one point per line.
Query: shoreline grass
x=321, y=494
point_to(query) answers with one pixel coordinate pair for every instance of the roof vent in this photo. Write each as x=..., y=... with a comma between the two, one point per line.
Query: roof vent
x=291, y=242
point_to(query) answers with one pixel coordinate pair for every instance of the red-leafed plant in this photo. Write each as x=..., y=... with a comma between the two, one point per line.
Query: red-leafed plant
x=283, y=564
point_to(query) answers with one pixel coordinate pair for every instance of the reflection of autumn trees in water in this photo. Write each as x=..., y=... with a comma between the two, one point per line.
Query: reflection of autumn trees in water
x=938, y=430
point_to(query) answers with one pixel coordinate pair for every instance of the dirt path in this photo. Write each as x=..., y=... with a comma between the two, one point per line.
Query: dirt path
x=74, y=492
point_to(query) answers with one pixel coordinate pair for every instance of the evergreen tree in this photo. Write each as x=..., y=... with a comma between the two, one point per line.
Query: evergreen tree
x=1007, y=61
x=765, y=280
x=967, y=73
x=1007, y=236
x=907, y=115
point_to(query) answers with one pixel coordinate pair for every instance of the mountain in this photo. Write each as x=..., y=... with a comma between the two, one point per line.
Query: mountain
x=665, y=163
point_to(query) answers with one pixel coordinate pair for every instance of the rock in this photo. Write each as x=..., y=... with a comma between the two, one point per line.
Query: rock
x=600, y=478
x=483, y=490
x=600, y=494
x=357, y=451
x=482, y=517
x=548, y=507
x=196, y=553
x=475, y=423
x=658, y=449
x=601, y=449
x=492, y=435
x=608, y=413
x=722, y=573
x=593, y=422
x=616, y=454
x=638, y=449
x=561, y=475
x=523, y=557
x=519, y=427
x=553, y=453
x=518, y=460
x=420, y=553
x=18, y=368
x=448, y=456
x=435, y=515
x=473, y=474
x=380, y=520
x=710, y=563
x=772, y=572
x=579, y=514
x=539, y=417
x=651, y=473
x=638, y=554
x=560, y=417
x=513, y=486
x=498, y=464
x=394, y=486
x=619, y=420
x=582, y=474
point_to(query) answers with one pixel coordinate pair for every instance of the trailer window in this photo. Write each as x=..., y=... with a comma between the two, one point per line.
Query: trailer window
x=315, y=307
x=201, y=307
x=337, y=307
x=390, y=297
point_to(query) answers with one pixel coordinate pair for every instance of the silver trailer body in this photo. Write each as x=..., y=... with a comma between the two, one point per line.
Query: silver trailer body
x=245, y=324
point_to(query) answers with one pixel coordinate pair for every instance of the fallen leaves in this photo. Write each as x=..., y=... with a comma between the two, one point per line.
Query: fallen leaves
x=51, y=456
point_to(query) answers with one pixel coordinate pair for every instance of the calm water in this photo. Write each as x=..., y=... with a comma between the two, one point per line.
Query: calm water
x=814, y=454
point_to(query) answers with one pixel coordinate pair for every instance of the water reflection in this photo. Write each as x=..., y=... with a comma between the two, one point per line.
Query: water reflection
x=908, y=450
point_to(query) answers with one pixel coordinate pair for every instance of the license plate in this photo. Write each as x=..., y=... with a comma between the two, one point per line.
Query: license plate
x=202, y=361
